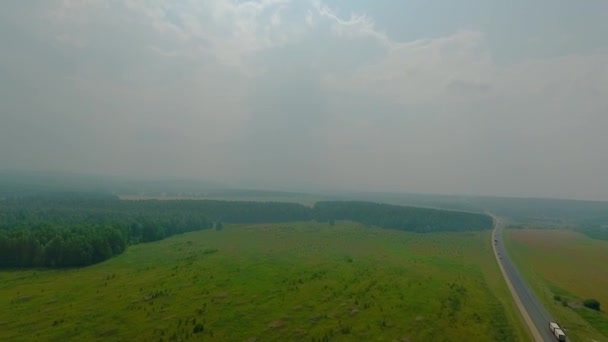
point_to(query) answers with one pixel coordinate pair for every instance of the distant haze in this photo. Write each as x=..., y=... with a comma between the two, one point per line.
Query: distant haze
x=459, y=97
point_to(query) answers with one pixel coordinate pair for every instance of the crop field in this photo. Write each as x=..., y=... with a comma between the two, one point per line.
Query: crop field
x=572, y=267
x=280, y=282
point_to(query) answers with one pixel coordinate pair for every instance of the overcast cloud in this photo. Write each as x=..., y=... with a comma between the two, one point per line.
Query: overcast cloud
x=475, y=98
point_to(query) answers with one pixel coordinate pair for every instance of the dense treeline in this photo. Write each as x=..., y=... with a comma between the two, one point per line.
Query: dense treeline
x=93, y=210
x=75, y=231
x=595, y=232
x=402, y=218
x=47, y=245
x=79, y=230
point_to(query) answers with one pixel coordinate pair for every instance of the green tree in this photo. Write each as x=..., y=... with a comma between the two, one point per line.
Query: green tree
x=53, y=252
x=593, y=304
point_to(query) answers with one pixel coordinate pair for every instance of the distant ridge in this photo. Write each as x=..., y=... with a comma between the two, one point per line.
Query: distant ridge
x=559, y=212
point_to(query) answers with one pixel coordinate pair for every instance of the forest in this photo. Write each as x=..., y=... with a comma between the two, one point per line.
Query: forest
x=72, y=230
x=411, y=219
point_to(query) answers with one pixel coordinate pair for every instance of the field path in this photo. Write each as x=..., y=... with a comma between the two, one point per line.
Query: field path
x=536, y=316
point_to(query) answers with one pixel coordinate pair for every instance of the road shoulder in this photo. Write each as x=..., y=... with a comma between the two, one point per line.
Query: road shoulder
x=535, y=333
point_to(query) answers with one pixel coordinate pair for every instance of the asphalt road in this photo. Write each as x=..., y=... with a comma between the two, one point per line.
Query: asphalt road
x=538, y=315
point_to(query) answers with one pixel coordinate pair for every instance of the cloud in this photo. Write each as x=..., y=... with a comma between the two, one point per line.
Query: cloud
x=419, y=72
x=358, y=25
x=282, y=92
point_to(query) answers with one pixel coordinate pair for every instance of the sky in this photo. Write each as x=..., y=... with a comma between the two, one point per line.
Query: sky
x=472, y=97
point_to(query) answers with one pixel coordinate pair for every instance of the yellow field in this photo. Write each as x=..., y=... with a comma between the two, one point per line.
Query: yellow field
x=570, y=265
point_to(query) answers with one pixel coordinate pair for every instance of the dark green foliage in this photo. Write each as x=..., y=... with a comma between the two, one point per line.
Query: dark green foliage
x=67, y=230
x=596, y=231
x=210, y=251
x=198, y=328
x=78, y=230
x=60, y=246
x=592, y=304
x=345, y=330
x=402, y=218
x=452, y=304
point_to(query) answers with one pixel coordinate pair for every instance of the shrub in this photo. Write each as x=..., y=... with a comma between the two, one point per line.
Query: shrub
x=198, y=328
x=593, y=304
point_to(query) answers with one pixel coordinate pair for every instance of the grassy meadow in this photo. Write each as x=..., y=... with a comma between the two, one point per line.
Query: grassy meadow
x=281, y=282
x=571, y=266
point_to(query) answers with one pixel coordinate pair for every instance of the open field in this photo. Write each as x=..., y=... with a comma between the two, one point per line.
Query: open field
x=278, y=282
x=570, y=265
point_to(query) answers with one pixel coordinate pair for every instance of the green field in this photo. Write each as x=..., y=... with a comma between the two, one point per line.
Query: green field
x=281, y=282
x=569, y=265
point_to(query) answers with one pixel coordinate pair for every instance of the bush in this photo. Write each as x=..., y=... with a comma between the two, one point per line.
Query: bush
x=198, y=328
x=557, y=298
x=593, y=304
x=345, y=330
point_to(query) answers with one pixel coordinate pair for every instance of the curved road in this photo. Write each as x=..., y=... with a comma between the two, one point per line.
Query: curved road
x=530, y=307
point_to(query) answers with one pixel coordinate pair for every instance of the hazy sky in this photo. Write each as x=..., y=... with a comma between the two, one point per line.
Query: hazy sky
x=461, y=97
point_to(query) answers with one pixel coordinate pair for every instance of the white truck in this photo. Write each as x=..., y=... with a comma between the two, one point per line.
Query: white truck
x=557, y=332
